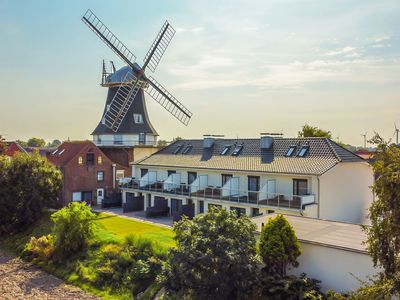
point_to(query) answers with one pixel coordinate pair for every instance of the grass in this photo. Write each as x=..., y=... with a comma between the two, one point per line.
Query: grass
x=109, y=229
x=114, y=227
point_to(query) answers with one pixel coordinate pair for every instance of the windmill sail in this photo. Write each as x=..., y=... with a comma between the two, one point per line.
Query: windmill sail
x=158, y=47
x=108, y=37
x=169, y=102
x=121, y=102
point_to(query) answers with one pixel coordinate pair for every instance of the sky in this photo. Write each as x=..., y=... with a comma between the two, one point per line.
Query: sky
x=241, y=67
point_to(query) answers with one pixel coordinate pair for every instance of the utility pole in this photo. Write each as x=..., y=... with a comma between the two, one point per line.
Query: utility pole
x=365, y=139
x=397, y=133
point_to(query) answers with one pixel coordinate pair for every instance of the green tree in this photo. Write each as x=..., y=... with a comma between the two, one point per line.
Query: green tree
x=28, y=183
x=22, y=143
x=54, y=143
x=2, y=145
x=383, y=241
x=311, y=131
x=36, y=142
x=278, y=246
x=215, y=257
x=73, y=228
x=162, y=143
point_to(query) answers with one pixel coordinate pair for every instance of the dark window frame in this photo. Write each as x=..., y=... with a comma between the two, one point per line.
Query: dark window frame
x=90, y=162
x=170, y=172
x=188, y=177
x=225, y=178
x=143, y=172
x=178, y=149
x=297, y=188
x=303, y=151
x=187, y=149
x=257, y=184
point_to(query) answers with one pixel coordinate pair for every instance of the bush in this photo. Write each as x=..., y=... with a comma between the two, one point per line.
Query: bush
x=215, y=256
x=132, y=265
x=279, y=246
x=28, y=183
x=41, y=248
x=73, y=228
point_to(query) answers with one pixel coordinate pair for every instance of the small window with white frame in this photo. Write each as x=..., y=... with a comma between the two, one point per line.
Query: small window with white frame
x=117, y=139
x=138, y=118
x=303, y=151
x=100, y=175
x=76, y=196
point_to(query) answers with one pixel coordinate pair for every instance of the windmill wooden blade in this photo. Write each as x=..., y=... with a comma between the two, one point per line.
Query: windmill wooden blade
x=169, y=102
x=158, y=47
x=108, y=37
x=121, y=102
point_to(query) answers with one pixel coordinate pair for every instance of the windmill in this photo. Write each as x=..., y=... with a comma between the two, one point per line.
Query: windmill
x=365, y=139
x=396, y=132
x=125, y=113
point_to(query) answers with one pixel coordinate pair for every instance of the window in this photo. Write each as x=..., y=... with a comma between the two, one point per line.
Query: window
x=201, y=206
x=138, y=118
x=187, y=149
x=178, y=149
x=117, y=139
x=119, y=174
x=300, y=187
x=191, y=177
x=142, y=138
x=100, y=175
x=99, y=160
x=303, y=151
x=143, y=172
x=89, y=159
x=61, y=152
x=170, y=172
x=237, y=150
x=239, y=211
x=225, y=178
x=54, y=152
x=80, y=160
x=290, y=151
x=76, y=196
x=253, y=188
x=225, y=150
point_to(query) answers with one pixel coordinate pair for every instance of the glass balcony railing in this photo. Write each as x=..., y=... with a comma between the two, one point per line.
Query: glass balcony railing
x=258, y=198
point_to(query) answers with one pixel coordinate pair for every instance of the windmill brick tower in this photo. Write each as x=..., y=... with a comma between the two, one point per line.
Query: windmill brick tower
x=125, y=132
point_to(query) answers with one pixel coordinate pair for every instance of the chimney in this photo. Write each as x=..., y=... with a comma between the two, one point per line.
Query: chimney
x=266, y=142
x=209, y=140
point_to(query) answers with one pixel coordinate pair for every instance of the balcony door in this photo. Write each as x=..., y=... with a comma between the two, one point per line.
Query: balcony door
x=253, y=187
x=300, y=187
x=225, y=178
x=191, y=177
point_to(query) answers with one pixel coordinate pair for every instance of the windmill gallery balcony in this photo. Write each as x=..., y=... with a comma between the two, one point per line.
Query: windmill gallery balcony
x=229, y=193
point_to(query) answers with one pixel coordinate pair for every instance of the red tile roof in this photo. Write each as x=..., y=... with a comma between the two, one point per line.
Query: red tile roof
x=67, y=151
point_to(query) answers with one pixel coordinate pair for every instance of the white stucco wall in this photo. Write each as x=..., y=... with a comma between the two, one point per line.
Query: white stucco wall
x=345, y=193
x=334, y=267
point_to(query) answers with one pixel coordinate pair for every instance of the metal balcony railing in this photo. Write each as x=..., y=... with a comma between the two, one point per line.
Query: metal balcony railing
x=124, y=143
x=258, y=198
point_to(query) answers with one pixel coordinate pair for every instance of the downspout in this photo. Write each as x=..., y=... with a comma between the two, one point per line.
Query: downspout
x=319, y=200
x=113, y=171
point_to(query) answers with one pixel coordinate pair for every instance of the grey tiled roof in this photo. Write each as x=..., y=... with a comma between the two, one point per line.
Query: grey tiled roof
x=322, y=155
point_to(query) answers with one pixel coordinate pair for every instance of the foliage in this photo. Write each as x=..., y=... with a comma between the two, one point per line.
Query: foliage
x=178, y=138
x=73, y=228
x=383, y=241
x=54, y=143
x=278, y=246
x=311, y=131
x=28, y=183
x=36, y=142
x=132, y=265
x=41, y=248
x=287, y=287
x=215, y=256
x=162, y=143
x=2, y=145
x=22, y=143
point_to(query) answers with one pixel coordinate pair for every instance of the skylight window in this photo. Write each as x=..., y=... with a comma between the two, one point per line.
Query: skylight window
x=54, y=152
x=290, y=151
x=225, y=150
x=303, y=151
x=61, y=152
x=187, y=149
x=237, y=150
x=178, y=149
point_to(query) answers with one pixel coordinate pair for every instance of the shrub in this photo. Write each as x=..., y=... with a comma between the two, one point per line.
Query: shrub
x=73, y=228
x=41, y=248
x=28, y=183
x=278, y=246
x=215, y=256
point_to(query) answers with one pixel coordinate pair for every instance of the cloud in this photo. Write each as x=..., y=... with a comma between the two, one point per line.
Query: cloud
x=192, y=30
x=381, y=39
x=345, y=50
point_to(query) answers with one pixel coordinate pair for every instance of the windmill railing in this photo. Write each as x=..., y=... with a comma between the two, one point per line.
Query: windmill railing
x=124, y=143
x=223, y=195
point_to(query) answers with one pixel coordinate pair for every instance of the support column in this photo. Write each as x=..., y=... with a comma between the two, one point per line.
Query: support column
x=123, y=196
x=113, y=172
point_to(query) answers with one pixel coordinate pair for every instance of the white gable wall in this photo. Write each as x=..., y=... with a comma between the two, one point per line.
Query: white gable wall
x=345, y=193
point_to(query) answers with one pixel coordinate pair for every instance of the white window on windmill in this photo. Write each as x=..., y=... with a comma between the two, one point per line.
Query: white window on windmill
x=108, y=107
x=117, y=139
x=138, y=118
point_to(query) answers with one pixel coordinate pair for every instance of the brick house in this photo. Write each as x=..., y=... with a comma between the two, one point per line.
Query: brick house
x=88, y=174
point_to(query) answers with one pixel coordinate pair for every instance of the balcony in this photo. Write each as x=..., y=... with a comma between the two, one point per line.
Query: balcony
x=119, y=143
x=229, y=193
